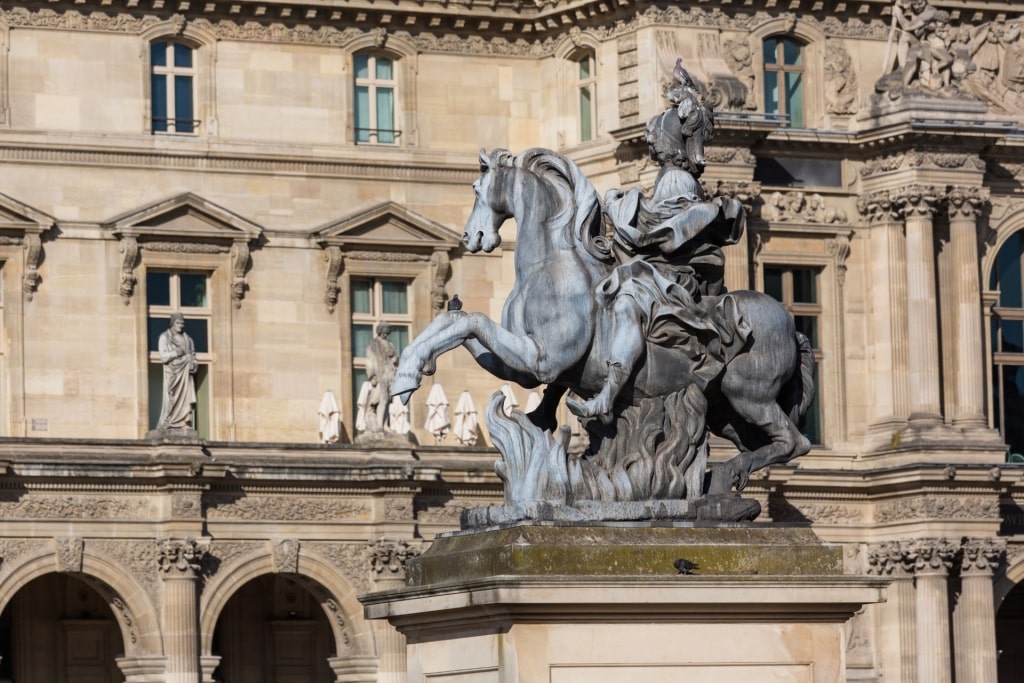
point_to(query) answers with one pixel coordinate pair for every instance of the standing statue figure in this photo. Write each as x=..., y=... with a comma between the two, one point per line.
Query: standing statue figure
x=178, y=355
x=381, y=362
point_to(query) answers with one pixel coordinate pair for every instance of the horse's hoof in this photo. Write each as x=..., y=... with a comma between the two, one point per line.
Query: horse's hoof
x=578, y=408
x=404, y=384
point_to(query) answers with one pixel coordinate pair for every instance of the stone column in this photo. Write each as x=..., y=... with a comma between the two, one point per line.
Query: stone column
x=180, y=564
x=387, y=563
x=969, y=399
x=933, y=559
x=974, y=619
x=918, y=204
x=896, y=634
x=888, y=278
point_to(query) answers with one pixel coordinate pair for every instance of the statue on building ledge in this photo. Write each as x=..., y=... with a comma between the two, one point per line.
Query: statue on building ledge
x=380, y=420
x=635, y=321
x=178, y=356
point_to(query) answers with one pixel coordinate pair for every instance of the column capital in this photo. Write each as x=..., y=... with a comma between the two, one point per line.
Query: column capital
x=388, y=558
x=918, y=201
x=982, y=556
x=891, y=558
x=180, y=558
x=965, y=203
x=933, y=556
x=879, y=207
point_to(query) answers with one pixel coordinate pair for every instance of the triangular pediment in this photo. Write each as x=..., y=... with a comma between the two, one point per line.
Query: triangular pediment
x=387, y=225
x=19, y=217
x=186, y=217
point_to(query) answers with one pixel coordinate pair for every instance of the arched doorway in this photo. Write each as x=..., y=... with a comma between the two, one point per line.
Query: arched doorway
x=58, y=629
x=273, y=630
x=1009, y=635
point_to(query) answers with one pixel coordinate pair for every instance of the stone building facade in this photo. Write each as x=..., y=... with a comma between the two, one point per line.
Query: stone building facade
x=288, y=174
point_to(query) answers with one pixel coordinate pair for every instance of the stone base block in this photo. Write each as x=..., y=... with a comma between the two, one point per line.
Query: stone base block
x=596, y=603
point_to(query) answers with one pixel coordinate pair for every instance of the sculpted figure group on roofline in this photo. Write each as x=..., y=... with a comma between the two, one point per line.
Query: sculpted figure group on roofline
x=622, y=304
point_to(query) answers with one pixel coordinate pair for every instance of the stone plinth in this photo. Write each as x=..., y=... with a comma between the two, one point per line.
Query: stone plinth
x=602, y=603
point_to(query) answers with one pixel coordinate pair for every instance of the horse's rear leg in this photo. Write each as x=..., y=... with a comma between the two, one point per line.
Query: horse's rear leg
x=784, y=439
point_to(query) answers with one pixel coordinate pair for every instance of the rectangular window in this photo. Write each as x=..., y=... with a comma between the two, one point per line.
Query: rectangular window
x=172, y=87
x=375, y=301
x=783, y=80
x=375, y=88
x=187, y=293
x=797, y=289
x=586, y=86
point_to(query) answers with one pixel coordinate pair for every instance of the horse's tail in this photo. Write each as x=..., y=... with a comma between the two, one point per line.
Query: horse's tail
x=806, y=379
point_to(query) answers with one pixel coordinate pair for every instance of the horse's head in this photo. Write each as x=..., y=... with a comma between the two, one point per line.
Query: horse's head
x=491, y=208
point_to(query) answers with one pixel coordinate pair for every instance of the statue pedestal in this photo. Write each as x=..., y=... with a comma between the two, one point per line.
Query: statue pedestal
x=566, y=603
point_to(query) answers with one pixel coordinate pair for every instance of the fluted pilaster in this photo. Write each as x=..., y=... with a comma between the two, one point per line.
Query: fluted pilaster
x=932, y=561
x=918, y=204
x=974, y=619
x=964, y=206
x=179, y=565
x=387, y=563
x=896, y=622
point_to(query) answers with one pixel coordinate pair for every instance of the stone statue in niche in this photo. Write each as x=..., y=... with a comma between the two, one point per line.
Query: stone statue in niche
x=632, y=319
x=178, y=355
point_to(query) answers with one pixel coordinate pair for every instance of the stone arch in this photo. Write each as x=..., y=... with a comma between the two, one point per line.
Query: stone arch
x=132, y=608
x=352, y=634
x=1009, y=224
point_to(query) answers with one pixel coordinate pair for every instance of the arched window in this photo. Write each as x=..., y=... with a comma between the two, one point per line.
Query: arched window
x=172, y=87
x=784, y=80
x=586, y=87
x=1008, y=342
x=376, y=87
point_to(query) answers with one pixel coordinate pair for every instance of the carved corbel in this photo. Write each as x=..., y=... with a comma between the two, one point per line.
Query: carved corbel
x=839, y=248
x=33, y=257
x=239, y=265
x=440, y=270
x=129, y=248
x=335, y=264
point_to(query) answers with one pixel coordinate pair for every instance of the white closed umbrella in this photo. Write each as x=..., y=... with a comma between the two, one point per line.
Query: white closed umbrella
x=363, y=406
x=510, y=399
x=330, y=418
x=398, y=414
x=464, y=427
x=532, y=401
x=437, y=413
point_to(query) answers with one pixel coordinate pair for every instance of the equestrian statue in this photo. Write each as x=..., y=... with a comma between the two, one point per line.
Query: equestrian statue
x=621, y=303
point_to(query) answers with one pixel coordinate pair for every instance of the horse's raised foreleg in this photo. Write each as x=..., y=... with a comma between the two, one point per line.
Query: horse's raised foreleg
x=494, y=365
x=519, y=354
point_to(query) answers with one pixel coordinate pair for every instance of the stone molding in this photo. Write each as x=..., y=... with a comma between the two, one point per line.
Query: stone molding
x=180, y=558
x=923, y=160
x=283, y=507
x=930, y=506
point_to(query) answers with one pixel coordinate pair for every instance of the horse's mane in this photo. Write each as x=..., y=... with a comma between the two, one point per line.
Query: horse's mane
x=580, y=205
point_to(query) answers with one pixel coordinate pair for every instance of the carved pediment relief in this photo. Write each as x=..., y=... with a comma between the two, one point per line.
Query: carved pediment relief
x=186, y=223
x=20, y=224
x=386, y=232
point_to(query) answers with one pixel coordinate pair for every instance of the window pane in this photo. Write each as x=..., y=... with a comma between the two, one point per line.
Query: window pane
x=770, y=50
x=399, y=337
x=804, y=286
x=158, y=91
x=193, y=290
x=771, y=92
x=154, y=328
x=201, y=414
x=585, y=68
x=808, y=324
x=156, y=392
x=1012, y=336
x=358, y=378
x=773, y=283
x=1006, y=275
x=158, y=54
x=395, y=298
x=361, y=336
x=384, y=70
x=158, y=289
x=811, y=423
x=198, y=329
x=361, y=296
x=585, y=114
x=362, y=112
x=385, y=115
x=183, y=104
x=790, y=52
x=182, y=55
x=362, y=63
x=795, y=99
x=1013, y=407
